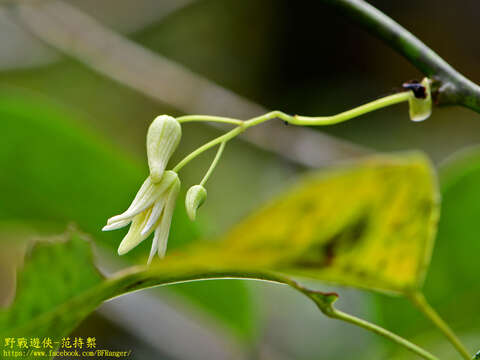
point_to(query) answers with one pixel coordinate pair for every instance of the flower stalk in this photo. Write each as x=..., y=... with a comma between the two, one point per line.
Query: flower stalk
x=152, y=209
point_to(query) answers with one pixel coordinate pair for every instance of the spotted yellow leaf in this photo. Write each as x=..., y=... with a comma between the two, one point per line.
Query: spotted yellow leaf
x=369, y=224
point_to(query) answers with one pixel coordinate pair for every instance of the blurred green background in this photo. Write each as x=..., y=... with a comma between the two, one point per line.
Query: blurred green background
x=297, y=57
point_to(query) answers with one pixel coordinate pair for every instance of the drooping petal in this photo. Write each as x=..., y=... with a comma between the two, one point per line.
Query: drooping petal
x=134, y=236
x=153, y=250
x=144, y=191
x=163, y=229
x=141, y=201
x=154, y=215
x=162, y=139
x=149, y=194
x=116, y=225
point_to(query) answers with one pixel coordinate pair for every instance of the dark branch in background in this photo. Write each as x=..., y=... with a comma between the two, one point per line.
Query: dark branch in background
x=450, y=87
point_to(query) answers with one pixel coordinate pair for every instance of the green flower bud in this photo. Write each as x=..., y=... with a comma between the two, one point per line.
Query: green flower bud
x=196, y=196
x=162, y=139
x=420, y=101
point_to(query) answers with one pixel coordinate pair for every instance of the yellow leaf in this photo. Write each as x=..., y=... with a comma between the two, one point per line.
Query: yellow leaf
x=369, y=224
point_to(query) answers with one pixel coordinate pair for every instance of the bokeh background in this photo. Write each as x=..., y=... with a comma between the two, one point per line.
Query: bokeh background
x=119, y=63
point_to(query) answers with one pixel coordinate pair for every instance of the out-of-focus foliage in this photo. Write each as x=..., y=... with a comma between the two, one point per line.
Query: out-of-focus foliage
x=54, y=169
x=76, y=288
x=358, y=235
x=452, y=284
x=214, y=38
x=455, y=263
x=370, y=225
x=42, y=288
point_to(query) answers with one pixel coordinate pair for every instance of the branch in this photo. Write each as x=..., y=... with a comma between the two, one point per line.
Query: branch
x=138, y=278
x=134, y=279
x=451, y=87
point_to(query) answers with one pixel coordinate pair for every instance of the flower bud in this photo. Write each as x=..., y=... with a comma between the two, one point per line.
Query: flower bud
x=162, y=139
x=196, y=196
x=420, y=101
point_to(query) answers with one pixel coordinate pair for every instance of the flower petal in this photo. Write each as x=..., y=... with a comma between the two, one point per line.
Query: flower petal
x=154, y=216
x=146, y=196
x=163, y=229
x=141, y=198
x=134, y=236
x=116, y=225
x=153, y=250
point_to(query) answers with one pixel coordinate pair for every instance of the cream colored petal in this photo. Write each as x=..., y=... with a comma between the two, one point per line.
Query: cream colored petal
x=152, y=221
x=141, y=199
x=144, y=191
x=163, y=229
x=153, y=250
x=134, y=236
x=116, y=225
x=149, y=194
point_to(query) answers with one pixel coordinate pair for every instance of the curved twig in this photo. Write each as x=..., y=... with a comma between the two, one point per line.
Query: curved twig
x=450, y=87
x=55, y=323
x=136, y=278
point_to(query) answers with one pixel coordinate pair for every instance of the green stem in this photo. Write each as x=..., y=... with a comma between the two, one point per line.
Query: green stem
x=340, y=315
x=334, y=119
x=318, y=120
x=294, y=120
x=135, y=279
x=422, y=304
x=224, y=138
x=308, y=120
x=452, y=87
x=214, y=163
x=356, y=112
x=219, y=119
x=268, y=116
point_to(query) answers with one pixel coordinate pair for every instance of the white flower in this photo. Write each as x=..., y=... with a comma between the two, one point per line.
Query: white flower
x=162, y=139
x=151, y=210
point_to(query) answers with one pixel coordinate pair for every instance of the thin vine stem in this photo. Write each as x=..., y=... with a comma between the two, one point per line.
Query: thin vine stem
x=290, y=119
x=214, y=163
x=422, y=304
x=208, y=118
x=224, y=138
x=350, y=114
x=140, y=278
x=334, y=119
x=340, y=315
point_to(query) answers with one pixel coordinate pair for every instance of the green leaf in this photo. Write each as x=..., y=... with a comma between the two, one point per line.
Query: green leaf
x=306, y=231
x=458, y=242
x=56, y=170
x=452, y=286
x=370, y=224
x=76, y=288
x=43, y=287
